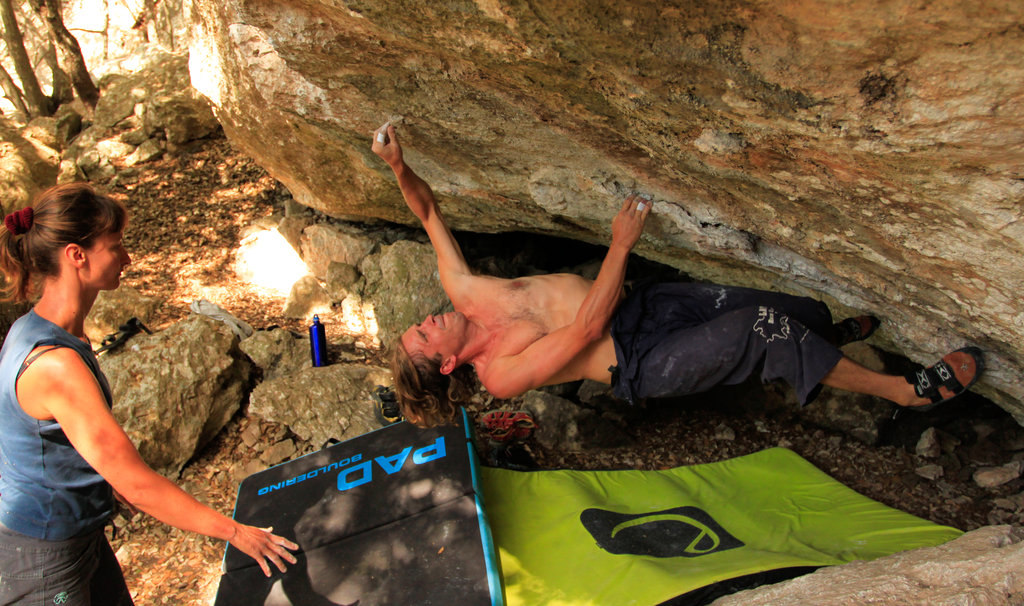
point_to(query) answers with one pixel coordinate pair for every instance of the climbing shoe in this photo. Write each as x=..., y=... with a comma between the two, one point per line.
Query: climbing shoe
x=385, y=406
x=855, y=329
x=951, y=376
x=507, y=425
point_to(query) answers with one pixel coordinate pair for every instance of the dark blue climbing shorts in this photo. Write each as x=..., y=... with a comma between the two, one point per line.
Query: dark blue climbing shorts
x=81, y=571
x=682, y=338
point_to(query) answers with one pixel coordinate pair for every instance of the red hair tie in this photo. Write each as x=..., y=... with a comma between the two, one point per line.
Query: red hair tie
x=20, y=221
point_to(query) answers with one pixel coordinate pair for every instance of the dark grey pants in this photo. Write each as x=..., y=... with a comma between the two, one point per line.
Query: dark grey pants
x=81, y=571
x=678, y=339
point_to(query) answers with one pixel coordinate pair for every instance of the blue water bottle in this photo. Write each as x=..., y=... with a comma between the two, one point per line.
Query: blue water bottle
x=317, y=342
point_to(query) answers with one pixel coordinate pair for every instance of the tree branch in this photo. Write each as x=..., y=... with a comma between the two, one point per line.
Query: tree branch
x=69, y=53
x=33, y=94
x=12, y=92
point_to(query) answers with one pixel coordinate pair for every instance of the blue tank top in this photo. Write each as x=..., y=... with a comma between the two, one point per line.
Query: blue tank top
x=47, y=490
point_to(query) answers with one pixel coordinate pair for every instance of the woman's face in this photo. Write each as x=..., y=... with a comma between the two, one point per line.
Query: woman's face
x=107, y=258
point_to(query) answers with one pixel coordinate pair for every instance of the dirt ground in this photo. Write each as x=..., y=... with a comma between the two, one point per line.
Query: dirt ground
x=188, y=215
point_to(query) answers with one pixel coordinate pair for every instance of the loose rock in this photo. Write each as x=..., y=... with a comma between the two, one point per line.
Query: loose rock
x=322, y=403
x=174, y=390
x=930, y=472
x=928, y=446
x=991, y=477
x=981, y=567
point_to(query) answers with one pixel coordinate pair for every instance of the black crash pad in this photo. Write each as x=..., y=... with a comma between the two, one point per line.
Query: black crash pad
x=390, y=517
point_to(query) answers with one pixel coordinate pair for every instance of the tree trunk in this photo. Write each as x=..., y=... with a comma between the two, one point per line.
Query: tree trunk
x=13, y=93
x=69, y=52
x=35, y=100
x=62, y=92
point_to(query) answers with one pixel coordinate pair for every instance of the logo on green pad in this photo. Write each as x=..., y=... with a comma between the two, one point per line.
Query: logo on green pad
x=687, y=532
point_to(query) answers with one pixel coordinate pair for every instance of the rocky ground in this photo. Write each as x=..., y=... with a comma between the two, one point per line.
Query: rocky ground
x=189, y=212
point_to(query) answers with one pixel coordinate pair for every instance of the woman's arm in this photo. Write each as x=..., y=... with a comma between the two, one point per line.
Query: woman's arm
x=59, y=385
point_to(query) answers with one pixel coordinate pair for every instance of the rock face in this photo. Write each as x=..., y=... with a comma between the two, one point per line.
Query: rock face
x=402, y=294
x=980, y=567
x=563, y=424
x=29, y=161
x=321, y=403
x=278, y=352
x=867, y=153
x=149, y=110
x=115, y=307
x=174, y=390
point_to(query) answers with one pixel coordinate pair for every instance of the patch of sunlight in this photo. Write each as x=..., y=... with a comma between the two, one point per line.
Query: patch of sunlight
x=200, y=290
x=358, y=317
x=265, y=259
x=205, y=71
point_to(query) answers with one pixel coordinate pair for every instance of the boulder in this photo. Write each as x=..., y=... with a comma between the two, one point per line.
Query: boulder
x=322, y=403
x=146, y=151
x=358, y=316
x=114, y=149
x=322, y=244
x=598, y=395
x=120, y=96
x=115, y=307
x=83, y=154
x=565, y=426
x=178, y=116
x=69, y=123
x=928, y=445
x=42, y=131
x=174, y=390
x=277, y=352
x=982, y=567
x=991, y=477
x=160, y=97
x=291, y=228
x=307, y=297
x=140, y=112
x=871, y=158
x=342, y=280
x=403, y=287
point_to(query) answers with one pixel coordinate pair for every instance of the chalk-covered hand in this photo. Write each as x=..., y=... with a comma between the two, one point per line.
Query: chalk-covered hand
x=262, y=546
x=629, y=223
x=385, y=145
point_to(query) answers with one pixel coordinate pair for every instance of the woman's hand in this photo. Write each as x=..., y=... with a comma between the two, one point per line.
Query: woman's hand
x=629, y=223
x=260, y=545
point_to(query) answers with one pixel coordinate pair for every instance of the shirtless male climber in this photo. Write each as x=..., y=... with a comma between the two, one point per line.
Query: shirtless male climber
x=660, y=340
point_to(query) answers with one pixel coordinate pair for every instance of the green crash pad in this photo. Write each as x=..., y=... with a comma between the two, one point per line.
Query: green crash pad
x=582, y=538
